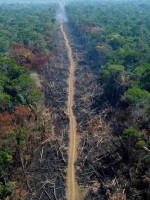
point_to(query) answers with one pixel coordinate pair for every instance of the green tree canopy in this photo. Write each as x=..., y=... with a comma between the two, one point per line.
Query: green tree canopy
x=113, y=77
x=136, y=96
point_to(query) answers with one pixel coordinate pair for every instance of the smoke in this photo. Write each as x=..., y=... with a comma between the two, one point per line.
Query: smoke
x=61, y=13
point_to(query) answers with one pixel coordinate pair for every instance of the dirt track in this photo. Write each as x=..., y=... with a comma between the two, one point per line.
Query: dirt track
x=71, y=182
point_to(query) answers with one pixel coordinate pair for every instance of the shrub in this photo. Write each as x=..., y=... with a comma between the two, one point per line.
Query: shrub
x=5, y=159
x=131, y=133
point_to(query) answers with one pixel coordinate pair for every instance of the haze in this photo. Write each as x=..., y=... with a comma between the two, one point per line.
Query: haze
x=57, y=1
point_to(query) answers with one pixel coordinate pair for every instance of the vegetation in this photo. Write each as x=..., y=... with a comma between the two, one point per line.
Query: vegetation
x=114, y=78
x=25, y=43
x=27, y=24
x=112, y=26
x=136, y=96
x=112, y=104
x=116, y=36
x=17, y=87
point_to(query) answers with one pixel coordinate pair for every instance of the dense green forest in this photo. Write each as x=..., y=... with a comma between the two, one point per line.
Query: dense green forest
x=25, y=24
x=116, y=35
x=25, y=42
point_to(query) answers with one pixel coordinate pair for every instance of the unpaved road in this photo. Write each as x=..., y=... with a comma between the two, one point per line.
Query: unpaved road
x=71, y=181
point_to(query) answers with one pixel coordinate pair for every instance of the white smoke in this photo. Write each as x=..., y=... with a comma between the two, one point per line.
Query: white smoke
x=61, y=13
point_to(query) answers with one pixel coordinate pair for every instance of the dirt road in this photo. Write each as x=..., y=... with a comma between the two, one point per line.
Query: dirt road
x=71, y=181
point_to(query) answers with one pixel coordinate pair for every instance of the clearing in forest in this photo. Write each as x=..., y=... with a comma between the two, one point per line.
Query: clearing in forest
x=71, y=181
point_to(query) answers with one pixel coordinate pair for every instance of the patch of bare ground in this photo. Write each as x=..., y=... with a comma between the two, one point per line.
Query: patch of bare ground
x=71, y=180
x=44, y=174
x=102, y=168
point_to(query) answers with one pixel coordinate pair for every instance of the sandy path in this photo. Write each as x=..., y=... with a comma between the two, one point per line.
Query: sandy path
x=71, y=181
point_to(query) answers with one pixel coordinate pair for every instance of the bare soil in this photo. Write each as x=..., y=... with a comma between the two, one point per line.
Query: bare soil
x=71, y=182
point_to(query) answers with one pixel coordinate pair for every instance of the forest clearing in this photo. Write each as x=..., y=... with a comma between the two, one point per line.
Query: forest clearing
x=75, y=100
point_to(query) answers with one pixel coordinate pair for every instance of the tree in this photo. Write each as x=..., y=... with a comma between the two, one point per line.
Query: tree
x=23, y=113
x=116, y=41
x=4, y=45
x=131, y=134
x=6, y=62
x=5, y=100
x=15, y=71
x=136, y=96
x=115, y=81
x=6, y=123
x=5, y=159
x=6, y=189
x=133, y=141
x=145, y=79
x=131, y=57
x=22, y=54
x=142, y=73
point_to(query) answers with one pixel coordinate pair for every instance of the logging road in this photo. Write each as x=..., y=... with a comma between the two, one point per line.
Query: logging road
x=71, y=181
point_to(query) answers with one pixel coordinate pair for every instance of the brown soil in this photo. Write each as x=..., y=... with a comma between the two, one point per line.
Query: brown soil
x=71, y=181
